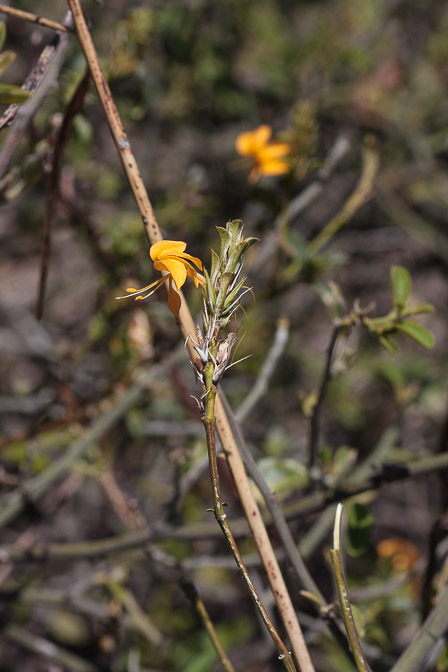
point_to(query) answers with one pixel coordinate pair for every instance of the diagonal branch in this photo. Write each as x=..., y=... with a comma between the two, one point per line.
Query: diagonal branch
x=34, y=18
x=435, y=626
x=53, y=185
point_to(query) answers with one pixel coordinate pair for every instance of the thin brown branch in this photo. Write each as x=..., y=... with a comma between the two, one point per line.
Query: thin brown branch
x=361, y=194
x=14, y=503
x=299, y=647
x=192, y=594
x=34, y=18
x=315, y=417
x=382, y=475
x=434, y=627
x=279, y=521
x=121, y=140
x=261, y=384
x=72, y=110
x=46, y=649
x=40, y=70
x=438, y=532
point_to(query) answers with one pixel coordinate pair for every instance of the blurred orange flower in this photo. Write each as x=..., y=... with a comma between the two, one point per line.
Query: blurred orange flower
x=169, y=256
x=402, y=554
x=268, y=158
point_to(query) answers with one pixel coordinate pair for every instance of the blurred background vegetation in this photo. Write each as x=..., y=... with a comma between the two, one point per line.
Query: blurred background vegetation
x=331, y=78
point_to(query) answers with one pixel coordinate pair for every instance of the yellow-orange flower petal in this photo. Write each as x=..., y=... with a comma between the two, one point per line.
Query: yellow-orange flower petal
x=175, y=268
x=268, y=158
x=169, y=256
x=274, y=167
x=171, y=248
x=166, y=248
x=275, y=150
x=250, y=142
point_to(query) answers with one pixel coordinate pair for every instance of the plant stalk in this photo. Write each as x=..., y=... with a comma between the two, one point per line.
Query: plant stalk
x=341, y=585
x=192, y=594
x=221, y=517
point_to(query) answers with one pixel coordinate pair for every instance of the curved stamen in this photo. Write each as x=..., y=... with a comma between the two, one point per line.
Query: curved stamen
x=133, y=292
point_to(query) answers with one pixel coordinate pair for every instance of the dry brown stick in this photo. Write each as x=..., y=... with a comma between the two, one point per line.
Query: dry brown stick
x=39, y=71
x=292, y=552
x=34, y=18
x=198, y=605
x=259, y=532
x=313, y=444
x=187, y=326
x=116, y=127
x=53, y=185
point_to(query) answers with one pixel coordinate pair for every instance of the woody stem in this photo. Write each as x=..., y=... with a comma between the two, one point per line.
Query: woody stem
x=209, y=422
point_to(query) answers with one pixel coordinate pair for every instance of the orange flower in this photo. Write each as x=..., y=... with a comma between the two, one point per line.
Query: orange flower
x=403, y=554
x=169, y=257
x=268, y=158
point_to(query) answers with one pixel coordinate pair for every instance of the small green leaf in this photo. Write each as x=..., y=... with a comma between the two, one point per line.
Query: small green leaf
x=297, y=246
x=215, y=265
x=421, y=308
x=312, y=597
x=225, y=240
x=244, y=245
x=284, y=476
x=235, y=228
x=2, y=34
x=360, y=527
x=12, y=94
x=401, y=285
x=331, y=296
x=418, y=333
x=389, y=343
x=378, y=325
x=6, y=59
x=344, y=457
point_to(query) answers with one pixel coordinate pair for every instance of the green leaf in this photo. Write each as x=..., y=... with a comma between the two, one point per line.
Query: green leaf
x=244, y=245
x=235, y=228
x=297, y=245
x=401, y=285
x=6, y=58
x=283, y=475
x=12, y=94
x=2, y=34
x=332, y=298
x=418, y=333
x=389, y=343
x=210, y=289
x=215, y=265
x=344, y=457
x=312, y=597
x=360, y=527
x=225, y=240
x=421, y=308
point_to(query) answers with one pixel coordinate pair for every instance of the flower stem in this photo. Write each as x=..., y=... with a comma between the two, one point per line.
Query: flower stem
x=221, y=517
x=341, y=585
